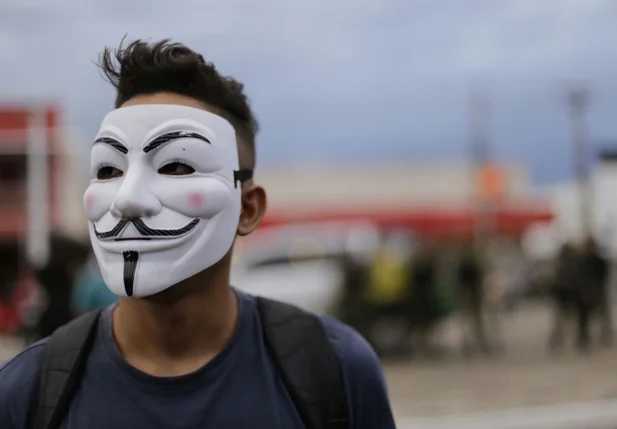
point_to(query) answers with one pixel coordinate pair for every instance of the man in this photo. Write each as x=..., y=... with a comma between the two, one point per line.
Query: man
x=423, y=312
x=580, y=290
x=56, y=279
x=387, y=295
x=595, y=269
x=470, y=279
x=567, y=295
x=169, y=193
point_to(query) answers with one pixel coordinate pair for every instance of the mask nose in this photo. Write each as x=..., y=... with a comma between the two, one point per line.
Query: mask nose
x=134, y=200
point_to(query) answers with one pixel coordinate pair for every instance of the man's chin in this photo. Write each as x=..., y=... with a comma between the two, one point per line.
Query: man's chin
x=141, y=290
x=149, y=277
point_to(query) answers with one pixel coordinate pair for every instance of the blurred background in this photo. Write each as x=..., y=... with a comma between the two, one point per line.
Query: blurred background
x=442, y=176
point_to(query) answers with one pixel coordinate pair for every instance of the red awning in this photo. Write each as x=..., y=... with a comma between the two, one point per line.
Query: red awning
x=425, y=221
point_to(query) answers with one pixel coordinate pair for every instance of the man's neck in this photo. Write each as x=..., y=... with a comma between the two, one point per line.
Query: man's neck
x=177, y=331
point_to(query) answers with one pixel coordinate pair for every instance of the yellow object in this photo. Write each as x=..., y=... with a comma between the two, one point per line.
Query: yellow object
x=388, y=278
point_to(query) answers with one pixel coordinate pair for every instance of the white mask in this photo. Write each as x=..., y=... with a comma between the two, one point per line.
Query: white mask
x=164, y=200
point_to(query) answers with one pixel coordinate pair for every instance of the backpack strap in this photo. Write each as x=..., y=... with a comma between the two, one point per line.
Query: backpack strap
x=64, y=360
x=307, y=364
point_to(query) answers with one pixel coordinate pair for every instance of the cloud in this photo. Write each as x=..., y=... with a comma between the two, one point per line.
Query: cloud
x=346, y=79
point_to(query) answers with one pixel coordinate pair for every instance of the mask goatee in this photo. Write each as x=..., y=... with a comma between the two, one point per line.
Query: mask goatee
x=130, y=268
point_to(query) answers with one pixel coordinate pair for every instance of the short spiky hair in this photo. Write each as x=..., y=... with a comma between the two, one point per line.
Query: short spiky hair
x=138, y=68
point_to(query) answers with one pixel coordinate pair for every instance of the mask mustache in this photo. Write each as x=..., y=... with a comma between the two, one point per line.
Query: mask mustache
x=144, y=230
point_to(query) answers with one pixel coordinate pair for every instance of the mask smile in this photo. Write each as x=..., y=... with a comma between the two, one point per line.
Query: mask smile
x=133, y=239
x=142, y=238
x=144, y=231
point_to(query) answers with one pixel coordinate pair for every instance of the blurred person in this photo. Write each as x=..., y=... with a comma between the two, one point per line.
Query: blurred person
x=596, y=272
x=354, y=265
x=10, y=266
x=387, y=294
x=567, y=293
x=33, y=303
x=56, y=279
x=388, y=272
x=470, y=279
x=351, y=307
x=171, y=189
x=90, y=292
x=580, y=290
x=424, y=307
x=593, y=281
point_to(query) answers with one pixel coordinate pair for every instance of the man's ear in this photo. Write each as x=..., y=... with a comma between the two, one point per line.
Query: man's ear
x=254, y=202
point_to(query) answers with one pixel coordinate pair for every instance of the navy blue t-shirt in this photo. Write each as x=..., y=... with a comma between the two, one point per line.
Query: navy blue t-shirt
x=238, y=389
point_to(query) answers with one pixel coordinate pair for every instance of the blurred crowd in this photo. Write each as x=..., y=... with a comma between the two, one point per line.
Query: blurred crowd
x=397, y=295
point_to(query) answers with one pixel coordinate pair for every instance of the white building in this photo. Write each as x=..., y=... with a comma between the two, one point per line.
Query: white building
x=565, y=200
x=371, y=184
x=432, y=198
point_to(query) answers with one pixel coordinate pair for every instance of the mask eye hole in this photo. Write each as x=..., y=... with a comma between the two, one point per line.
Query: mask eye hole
x=108, y=172
x=176, y=168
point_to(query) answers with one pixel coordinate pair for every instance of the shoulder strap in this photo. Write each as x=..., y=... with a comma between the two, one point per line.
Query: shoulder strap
x=64, y=360
x=307, y=364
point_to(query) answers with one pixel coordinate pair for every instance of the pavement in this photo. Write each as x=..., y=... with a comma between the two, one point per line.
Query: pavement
x=590, y=415
x=523, y=387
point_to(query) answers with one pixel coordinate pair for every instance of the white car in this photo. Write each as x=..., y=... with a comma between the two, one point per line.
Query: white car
x=299, y=264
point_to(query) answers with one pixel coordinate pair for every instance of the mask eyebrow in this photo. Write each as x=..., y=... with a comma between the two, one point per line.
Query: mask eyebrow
x=113, y=143
x=175, y=135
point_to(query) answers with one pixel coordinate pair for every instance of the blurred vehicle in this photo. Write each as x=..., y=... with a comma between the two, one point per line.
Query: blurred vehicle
x=301, y=264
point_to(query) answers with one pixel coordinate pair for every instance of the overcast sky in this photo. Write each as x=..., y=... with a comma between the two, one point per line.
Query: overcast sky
x=335, y=80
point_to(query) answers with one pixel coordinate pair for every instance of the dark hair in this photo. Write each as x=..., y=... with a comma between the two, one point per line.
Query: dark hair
x=141, y=68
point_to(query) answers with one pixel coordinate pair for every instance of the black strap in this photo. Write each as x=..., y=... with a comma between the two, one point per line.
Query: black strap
x=64, y=360
x=307, y=364
x=242, y=176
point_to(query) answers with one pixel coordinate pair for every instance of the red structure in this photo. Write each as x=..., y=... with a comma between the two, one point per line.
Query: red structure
x=508, y=220
x=14, y=120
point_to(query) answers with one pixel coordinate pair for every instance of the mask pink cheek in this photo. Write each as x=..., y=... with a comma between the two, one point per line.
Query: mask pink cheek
x=200, y=199
x=94, y=205
x=89, y=202
x=196, y=200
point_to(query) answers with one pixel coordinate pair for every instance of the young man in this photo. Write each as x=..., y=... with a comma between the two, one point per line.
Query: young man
x=170, y=190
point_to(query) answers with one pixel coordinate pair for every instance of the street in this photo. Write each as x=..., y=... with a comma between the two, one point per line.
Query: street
x=523, y=387
x=593, y=415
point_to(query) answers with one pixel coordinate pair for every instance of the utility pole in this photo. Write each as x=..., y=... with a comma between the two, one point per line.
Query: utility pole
x=37, y=195
x=578, y=99
x=479, y=158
